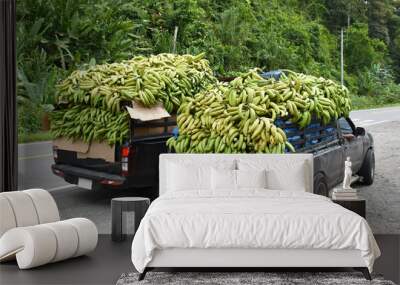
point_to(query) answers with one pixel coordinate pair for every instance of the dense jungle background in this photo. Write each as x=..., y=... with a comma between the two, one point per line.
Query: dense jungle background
x=55, y=37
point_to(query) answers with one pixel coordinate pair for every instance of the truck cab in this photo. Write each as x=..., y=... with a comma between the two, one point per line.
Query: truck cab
x=353, y=142
x=331, y=144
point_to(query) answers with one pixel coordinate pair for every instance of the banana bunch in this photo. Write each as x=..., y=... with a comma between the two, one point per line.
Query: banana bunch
x=239, y=117
x=89, y=123
x=230, y=118
x=90, y=101
x=164, y=78
x=306, y=95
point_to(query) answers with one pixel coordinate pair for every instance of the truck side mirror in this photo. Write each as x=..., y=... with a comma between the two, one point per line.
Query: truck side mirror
x=359, y=131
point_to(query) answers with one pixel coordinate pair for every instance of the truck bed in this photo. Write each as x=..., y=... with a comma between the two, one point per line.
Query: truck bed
x=136, y=169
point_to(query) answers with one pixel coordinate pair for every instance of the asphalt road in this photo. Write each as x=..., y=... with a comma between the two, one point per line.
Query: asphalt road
x=383, y=196
x=34, y=162
x=371, y=117
x=383, y=213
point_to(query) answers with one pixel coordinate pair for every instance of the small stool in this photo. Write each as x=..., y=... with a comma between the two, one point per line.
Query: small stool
x=138, y=205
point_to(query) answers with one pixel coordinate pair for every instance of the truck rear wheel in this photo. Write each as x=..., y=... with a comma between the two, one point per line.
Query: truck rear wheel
x=320, y=185
x=367, y=171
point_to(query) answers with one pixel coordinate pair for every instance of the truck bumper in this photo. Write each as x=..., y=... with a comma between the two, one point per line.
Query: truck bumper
x=72, y=174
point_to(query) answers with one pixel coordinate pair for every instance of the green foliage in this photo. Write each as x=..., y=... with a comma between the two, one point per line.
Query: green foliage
x=342, y=13
x=238, y=35
x=29, y=118
x=362, y=51
x=55, y=37
x=394, y=46
x=71, y=32
x=379, y=12
x=367, y=102
x=378, y=82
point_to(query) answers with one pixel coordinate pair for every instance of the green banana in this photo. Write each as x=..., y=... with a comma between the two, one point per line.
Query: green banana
x=163, y=78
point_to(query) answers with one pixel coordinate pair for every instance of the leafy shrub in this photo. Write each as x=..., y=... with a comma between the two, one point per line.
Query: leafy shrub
x=29, y=118
x=377, y=87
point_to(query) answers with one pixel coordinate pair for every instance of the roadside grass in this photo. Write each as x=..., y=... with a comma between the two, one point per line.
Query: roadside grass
x=364, y=102
x=35, y=137
x=372, y=106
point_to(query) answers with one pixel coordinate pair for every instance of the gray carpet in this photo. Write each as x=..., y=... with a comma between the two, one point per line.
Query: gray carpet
x=269, y=278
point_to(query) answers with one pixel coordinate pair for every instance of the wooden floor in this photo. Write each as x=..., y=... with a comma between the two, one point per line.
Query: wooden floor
x=110, y=259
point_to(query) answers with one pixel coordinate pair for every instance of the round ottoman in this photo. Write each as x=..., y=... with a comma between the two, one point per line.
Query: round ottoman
x=121, y=205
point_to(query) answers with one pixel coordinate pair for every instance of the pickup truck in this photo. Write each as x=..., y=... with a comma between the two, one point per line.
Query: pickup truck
x=136, y=161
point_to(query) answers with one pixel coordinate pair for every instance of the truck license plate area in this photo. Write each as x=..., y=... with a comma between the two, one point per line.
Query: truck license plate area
x=85, y=183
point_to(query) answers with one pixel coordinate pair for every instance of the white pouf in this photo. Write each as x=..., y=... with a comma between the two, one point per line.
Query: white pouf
x=31, y=233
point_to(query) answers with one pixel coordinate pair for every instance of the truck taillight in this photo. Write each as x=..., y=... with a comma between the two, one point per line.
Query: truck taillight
x=55, y=152
x=126, y=151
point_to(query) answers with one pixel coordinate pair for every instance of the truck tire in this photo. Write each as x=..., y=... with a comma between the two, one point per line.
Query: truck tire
x=367, y=171
x=320, y=185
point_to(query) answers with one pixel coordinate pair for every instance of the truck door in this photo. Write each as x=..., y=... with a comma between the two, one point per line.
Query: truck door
x=330, y=162
x=353, y=144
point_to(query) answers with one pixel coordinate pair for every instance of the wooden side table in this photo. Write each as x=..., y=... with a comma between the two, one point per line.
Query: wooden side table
x=358, y=206
x=138, y=205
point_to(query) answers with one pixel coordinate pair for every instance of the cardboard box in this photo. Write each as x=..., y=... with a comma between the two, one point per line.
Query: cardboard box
x=104, y=151
x=85, y=150
x=68, y=144
x=156, y=114
x=99, y=150
x=139, y=112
